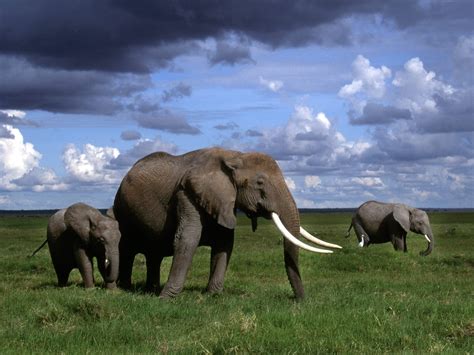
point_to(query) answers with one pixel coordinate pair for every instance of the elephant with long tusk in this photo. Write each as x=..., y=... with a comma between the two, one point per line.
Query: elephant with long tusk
x=169, y=205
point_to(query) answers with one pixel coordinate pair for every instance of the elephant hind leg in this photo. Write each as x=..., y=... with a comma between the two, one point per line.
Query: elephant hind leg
x=362, y=235
x=153, y=269
x=126, y=259
x=399, y=242
x=63, y=276
x=62, y=269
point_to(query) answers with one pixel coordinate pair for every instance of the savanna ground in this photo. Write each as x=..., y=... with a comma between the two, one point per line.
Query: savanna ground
x=357, y=300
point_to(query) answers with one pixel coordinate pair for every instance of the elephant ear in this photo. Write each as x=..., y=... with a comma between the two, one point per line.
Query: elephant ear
x=82, y=220
x=402, y=215
x=211, y=182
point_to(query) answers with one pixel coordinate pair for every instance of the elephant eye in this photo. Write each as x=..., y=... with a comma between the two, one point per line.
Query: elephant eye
x=260, y=181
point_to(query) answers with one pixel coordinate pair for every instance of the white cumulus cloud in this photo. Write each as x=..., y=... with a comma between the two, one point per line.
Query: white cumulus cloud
x=91, y=165
x=312, y=181
x=14, y=113
x=17, y=157
x=272, y=85
x=368, y=181
x=418, y=87
x=290, y=183
x=366, y=79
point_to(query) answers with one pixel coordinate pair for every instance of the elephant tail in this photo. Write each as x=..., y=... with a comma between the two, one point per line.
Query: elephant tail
x=349, y=231
x=39, y=248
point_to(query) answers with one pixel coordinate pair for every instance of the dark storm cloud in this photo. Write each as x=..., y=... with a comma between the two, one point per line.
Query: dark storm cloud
x=409, y=146
x=376, y=114
x=165, y=120
x=130, y=135
x=126, y=36
x=454, y=114
x=72, y=56
x=140, y=149
x=227, y=126
x=230, y=54
x=177, y=92
x=5, y=133
x=25, y=87
x=253, y=133
x=15, y=120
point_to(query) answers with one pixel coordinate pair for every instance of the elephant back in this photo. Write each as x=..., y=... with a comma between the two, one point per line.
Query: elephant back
x=56, y=226
x=147, y=191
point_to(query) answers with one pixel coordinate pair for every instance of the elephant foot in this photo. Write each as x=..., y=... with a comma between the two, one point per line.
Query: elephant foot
x=214, y=289
x=111, y=285
x=169, y=292
x=125, y=285
x=364, y=241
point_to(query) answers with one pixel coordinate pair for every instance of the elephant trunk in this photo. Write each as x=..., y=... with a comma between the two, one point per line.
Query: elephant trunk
x=429, y=237
x=291, y=220
x=111, y=269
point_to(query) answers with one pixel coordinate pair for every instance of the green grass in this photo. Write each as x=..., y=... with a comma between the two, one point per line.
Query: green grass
x=370, y=300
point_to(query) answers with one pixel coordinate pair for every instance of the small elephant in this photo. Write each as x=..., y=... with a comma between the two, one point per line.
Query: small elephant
x=377, y=222
x=77, y=234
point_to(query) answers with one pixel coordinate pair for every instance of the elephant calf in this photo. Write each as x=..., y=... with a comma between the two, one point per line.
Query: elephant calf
x=377, y=222
x=77, y=234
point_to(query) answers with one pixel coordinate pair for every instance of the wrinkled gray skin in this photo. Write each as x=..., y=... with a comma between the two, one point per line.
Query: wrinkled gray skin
x=378, y=222
x=168, y=205
x=77, y=234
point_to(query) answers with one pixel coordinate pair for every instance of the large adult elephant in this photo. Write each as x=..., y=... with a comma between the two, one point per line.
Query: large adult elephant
x=168, y=205
x=377, y=222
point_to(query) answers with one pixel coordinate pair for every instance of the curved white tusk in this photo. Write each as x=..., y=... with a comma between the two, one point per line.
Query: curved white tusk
x=312, y=238
x=428, y=239
x=107, y=262
x=293, y=239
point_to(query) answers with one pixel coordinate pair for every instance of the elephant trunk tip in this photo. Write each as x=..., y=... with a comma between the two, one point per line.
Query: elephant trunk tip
x=429, y=249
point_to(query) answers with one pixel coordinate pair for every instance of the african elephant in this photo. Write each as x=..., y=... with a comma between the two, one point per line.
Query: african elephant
x=168, y=205
x=77, y=234
x=377, y=222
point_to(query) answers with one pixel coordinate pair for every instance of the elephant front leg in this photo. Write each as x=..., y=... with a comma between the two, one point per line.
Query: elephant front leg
x=187, y=236
x=85, y=267
x=221, y=252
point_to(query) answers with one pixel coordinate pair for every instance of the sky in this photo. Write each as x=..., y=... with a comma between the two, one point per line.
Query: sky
x=356, y=100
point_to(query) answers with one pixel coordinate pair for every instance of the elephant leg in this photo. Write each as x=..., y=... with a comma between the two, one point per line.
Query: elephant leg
x=126, y=257
x=110, y=285
x=85, y=267
x=221, y=252
x=62, y=272
x=187, y=236
x=362, y=235
x=399, y=242
x=153, y=266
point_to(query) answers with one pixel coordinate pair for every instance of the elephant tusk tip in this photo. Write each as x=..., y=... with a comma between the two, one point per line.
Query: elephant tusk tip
x=318, y=241
x=292, y=239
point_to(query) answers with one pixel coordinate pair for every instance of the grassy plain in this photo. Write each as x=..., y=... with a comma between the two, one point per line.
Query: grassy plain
x=357, y=300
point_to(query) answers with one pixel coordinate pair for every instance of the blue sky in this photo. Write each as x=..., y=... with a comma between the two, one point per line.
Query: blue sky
x=356, y=101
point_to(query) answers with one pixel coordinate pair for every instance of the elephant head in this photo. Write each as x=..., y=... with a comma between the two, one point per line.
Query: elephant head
x=417, y=221
x=98, y=234
x=254, y=184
